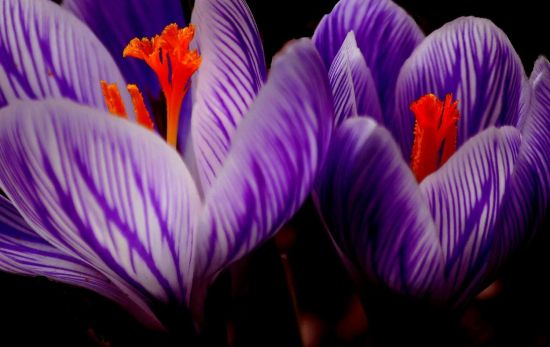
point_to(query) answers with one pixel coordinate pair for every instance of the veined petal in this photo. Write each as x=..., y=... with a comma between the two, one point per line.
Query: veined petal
x=527, y=198
x=231, y=74
x=105, y=190
x=373, y=208
x=472, y=59
x=274, y=160
x=464, y=196
x=385, y=34
x=352, y=85
x=46, y=52
x=25, y=253
x=117, y=22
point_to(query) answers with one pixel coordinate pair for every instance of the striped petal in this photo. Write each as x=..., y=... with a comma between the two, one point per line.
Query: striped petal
x=46, y=52
x=527, y=198
x=231, y=74
x=105, y=190
x=375, y=212
x=117, y=22
x=273, y=162
x=25, y=253
x=352, y=85
x=472, y=59
x=385, y=33
x=464, y=197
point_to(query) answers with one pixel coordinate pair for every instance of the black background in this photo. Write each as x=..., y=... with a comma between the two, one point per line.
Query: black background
x=37, y=311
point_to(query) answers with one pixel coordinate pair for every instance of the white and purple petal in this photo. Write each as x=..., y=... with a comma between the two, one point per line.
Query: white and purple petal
x=375, y=212
x=25, y=253
x=352, y=84
x=527, y=199
x=273, y=163
x=231, y=74
x=472, y=59
x=46, y=52
x=385, y=34
x=105, y=190
x=117, y=22
x=464, y=197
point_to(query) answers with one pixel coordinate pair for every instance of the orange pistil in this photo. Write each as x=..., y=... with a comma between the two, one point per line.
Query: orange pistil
x=435, y=133
x=113, y=99
x=169, y=56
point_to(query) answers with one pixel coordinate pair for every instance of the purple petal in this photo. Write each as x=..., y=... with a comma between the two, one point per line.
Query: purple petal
x=25, y=253
x=464, y=198
x=352, y=85
x=117, y=22
x=46, y=52
x=273, y=162
x=231, y=74
x=385, y=33
x=527, y=198
x=472, y=59
x=105, y=190
x=373, y=208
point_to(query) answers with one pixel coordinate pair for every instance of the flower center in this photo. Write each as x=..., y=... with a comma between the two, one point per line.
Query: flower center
x=435, y=133
x=169, y=56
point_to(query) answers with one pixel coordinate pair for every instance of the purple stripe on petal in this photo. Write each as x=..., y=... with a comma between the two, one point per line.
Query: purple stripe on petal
x=117, y=22
x=472, y=59
x=464, y=198
x=527, y=199
x=373, y=208
x=231, y=74
x=25, y=253
x=274, y=160
x=103, y=189
x=46, y=52
x=385, y=34
x=352, y=85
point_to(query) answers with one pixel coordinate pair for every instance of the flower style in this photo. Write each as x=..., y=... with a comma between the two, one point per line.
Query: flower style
x=99, y=201
x=432, y=195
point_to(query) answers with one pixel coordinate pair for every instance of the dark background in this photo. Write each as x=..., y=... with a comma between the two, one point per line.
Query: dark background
x=515, y=313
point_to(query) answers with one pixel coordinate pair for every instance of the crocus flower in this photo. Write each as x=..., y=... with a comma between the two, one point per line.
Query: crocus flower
x=99, y=201
x=449, y=174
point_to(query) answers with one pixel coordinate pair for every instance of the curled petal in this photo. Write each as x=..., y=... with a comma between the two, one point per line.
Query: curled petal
x=375, y=212
x=273, y=162
x=385, y=34
x=464, y=197
x=104, y=190
x=352, y=85
x=527, y=198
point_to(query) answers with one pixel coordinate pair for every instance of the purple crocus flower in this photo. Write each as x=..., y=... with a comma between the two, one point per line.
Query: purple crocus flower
x=444, y=237
x=101, y=202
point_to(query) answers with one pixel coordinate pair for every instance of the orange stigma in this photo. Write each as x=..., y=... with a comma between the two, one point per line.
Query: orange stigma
x=435, y=133
x=169, y=56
